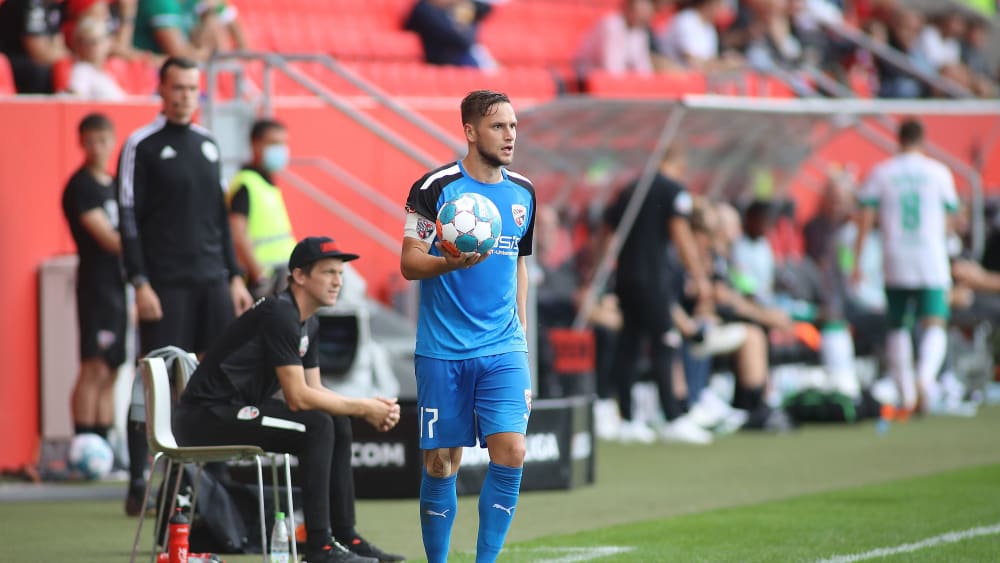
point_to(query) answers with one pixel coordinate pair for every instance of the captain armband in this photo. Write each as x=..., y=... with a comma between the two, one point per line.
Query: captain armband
x=419, y=227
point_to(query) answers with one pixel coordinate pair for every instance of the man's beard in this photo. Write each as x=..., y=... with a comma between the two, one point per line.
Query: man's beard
x=490, y=159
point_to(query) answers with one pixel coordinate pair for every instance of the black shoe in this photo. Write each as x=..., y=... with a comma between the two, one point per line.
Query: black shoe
x=133, y=503
x=361, y=546
x=333, y=552
x=766, y=419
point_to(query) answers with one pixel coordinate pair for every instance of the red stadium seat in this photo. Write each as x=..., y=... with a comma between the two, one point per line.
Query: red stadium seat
x=61, y=71
x=861, y=83
x=394, y=46
x=6, y=77
x=349, y=43
x=670, y=85
x=142, y=78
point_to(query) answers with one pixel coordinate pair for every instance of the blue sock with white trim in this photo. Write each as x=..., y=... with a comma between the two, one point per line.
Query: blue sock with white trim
x=497, y=501
x=438, y=505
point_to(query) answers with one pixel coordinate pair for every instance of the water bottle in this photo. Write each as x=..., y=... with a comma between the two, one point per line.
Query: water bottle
x=279, y=540
x=179, y=531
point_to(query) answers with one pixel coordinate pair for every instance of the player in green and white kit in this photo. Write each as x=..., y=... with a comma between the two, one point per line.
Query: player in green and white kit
x=912, y=194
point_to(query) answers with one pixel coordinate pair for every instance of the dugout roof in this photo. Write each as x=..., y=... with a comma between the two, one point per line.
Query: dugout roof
x=579, y=151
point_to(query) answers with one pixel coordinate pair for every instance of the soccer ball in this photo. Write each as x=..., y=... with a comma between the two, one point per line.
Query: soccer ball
x=468, y=223
x=90, y=455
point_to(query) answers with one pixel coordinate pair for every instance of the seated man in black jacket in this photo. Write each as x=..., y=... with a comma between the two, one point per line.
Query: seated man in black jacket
x=273, y=346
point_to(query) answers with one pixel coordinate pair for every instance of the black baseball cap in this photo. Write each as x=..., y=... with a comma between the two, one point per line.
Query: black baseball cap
x=311, y=249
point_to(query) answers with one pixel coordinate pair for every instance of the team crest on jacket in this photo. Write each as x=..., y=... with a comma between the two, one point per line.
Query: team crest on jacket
x=303, y=345
x=248, y=412
x=210, y=151
x=520, y=212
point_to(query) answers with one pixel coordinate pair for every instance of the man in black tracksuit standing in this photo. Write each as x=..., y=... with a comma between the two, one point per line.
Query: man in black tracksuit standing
x=177, y=248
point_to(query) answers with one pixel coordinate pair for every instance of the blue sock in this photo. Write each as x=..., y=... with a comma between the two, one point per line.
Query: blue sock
x=438, y=505
x=497, y=501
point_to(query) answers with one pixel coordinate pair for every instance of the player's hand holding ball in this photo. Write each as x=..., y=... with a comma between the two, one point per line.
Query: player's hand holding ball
x=462, y=259
x=468, y=227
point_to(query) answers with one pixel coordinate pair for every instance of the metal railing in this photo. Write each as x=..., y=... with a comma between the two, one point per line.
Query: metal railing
x=897, y=60
x=275, y=62
x=234, y=63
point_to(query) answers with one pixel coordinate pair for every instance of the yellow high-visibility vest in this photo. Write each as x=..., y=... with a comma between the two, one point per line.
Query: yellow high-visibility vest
x=268, y=226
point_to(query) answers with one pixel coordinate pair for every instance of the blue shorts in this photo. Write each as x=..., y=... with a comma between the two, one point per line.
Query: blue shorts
x=460, y=400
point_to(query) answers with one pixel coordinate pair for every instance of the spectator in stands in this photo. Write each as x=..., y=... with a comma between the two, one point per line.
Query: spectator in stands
x=234, y=37
x=940, y=45
x=975, y=47
x=30, y=38
x=448, y=30
x=775, y=44
x=92, y=214
x=619, y=42
x=119, y=15
x=178, y=29
x=644, y=294
x=262, y=231
x=87, y=77
x=903, y=30
x=176, y=241
x=691, y=39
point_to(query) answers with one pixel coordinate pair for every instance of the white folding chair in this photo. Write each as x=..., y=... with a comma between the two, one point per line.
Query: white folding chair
x=162, y=444
x=181, y=378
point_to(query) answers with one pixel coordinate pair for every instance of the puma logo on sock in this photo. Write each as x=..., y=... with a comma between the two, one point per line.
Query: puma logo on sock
x=509, y=511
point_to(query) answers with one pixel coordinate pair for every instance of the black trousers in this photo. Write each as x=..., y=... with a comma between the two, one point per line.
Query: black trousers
x=645, y=320
x=321, y=442
x=194, y=315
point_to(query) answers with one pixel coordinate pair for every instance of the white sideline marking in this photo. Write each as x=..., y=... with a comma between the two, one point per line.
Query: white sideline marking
x=950, y=537
x=577, y=554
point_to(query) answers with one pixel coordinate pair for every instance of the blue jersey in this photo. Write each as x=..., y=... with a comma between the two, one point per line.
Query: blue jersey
x=472, y=312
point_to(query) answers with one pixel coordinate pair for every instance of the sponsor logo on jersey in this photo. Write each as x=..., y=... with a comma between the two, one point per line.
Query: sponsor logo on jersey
x=167, y=153
x=248, y=413
x=210, y=151
x=520, y=213
x=378, y=454
x=303, y=345
x=507, y=245
x=527, y=398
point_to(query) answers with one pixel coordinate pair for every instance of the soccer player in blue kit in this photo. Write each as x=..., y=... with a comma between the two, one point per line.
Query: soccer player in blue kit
x=471, y=354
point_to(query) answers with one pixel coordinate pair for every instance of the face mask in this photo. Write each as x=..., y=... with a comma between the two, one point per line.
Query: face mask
x=275, y=157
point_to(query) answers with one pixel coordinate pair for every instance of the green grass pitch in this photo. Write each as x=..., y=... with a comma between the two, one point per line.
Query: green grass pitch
x=822, y=492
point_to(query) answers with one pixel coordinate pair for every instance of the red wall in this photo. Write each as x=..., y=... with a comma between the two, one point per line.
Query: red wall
x=38, y=152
